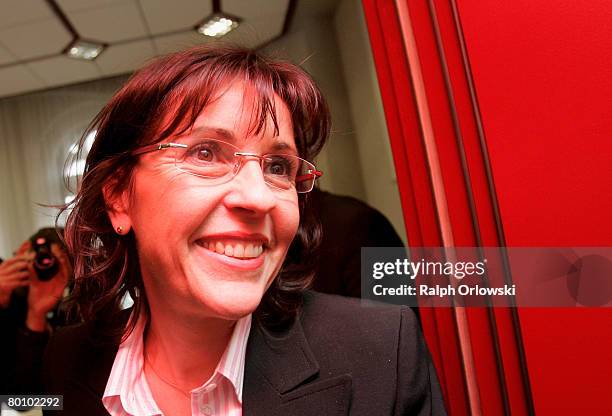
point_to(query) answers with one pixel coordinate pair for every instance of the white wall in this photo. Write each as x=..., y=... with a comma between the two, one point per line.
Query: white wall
x=36, y=131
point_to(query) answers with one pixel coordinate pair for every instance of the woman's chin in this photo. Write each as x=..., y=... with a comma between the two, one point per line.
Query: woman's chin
x=231, y=306
x=233, y=312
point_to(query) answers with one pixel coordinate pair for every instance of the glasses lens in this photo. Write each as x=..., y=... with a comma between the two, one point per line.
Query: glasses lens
x=208, y=158
x=305, y=179
x=219, y=161
x=288, y=171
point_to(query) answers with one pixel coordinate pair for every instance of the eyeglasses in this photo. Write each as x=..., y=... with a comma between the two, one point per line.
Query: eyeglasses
x=218, y=162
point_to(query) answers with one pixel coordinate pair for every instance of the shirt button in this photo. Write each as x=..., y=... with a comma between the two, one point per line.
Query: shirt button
x=207, y=410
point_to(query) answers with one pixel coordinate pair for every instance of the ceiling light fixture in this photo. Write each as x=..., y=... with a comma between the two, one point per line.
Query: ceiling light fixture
x=218, y=25
x=84, y=49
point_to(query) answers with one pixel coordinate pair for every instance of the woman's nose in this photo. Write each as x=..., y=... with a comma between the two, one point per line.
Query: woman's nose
x=250, y=192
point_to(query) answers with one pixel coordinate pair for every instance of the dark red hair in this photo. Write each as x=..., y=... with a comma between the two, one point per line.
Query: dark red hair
x=162, y=99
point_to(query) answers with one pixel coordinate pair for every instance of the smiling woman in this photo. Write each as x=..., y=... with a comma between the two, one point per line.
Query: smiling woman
x=194, y=202
x=212, y=200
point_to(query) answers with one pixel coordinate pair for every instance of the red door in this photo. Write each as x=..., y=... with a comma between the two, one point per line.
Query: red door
x=501, y=126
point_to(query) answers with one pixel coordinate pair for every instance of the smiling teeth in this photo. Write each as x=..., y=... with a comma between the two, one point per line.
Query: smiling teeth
x=237, y=250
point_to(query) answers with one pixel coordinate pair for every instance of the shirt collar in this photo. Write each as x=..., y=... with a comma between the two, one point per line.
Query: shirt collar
x=231, y=364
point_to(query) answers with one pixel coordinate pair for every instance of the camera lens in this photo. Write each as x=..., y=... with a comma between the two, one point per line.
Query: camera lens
x=45, y=262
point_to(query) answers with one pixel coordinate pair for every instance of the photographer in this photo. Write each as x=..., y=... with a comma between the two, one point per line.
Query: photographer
x=31, y=284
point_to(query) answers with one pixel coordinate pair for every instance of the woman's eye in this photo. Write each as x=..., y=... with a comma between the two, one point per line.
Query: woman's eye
x=278, y=169
x=205, y=154
x=280, y=166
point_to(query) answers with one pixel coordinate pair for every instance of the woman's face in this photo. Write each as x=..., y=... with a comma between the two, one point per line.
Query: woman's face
x=190, y=234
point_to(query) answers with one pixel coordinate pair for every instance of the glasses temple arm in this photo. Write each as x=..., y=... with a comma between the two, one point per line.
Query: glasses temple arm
x=156, y=146
x=309, y=176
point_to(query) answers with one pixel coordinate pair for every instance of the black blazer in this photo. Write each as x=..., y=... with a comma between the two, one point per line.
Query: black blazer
x=338, y=358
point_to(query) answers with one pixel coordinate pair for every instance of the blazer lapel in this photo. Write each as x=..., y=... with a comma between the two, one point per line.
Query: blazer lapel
x=96, y=376
x=282, y=376
x=97, y=357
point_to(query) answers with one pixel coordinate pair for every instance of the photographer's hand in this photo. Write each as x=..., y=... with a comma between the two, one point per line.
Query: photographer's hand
x=44, y=295
x=13, y=274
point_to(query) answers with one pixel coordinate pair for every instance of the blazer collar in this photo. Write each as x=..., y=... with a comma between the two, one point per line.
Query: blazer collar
x=283, y=358
x=101, y=355
x=282, y=377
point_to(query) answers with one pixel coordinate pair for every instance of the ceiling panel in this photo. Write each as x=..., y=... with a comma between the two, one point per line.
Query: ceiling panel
x=61, y=70
x=255, y=9
x=168, y=16
x=124, y=58
x=76, y=5
x=136, y=30
x=17, y=80
x=40, y=38
x=171, y=43
x=14, y=12
x=5, y=56
x=111, y=23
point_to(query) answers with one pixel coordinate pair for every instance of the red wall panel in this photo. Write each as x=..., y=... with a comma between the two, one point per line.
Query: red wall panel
x=542, y=76
x=517, y=104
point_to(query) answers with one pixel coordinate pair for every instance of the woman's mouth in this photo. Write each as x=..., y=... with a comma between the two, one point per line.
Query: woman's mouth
x=235, y=249
x=233, y=253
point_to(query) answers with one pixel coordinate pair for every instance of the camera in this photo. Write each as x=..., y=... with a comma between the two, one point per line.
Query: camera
x=46, y=264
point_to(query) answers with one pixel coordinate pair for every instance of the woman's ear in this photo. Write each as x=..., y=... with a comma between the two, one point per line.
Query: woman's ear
x=117, y=208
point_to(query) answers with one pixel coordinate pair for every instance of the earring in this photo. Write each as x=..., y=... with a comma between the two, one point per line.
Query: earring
x=119, y=230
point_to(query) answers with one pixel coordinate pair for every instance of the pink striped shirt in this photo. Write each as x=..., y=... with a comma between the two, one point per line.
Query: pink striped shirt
x=127, y=391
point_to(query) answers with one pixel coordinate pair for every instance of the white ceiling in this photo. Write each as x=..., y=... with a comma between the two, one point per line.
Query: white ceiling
x=32, y=36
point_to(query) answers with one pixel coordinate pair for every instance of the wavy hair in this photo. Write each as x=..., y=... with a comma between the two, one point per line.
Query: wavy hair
x=164, y=98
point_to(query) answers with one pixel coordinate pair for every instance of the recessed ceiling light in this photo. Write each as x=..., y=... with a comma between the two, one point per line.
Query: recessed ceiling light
x=218, y=25
x=81, y=49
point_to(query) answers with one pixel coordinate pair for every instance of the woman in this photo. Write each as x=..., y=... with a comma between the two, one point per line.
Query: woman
x=194, y=201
